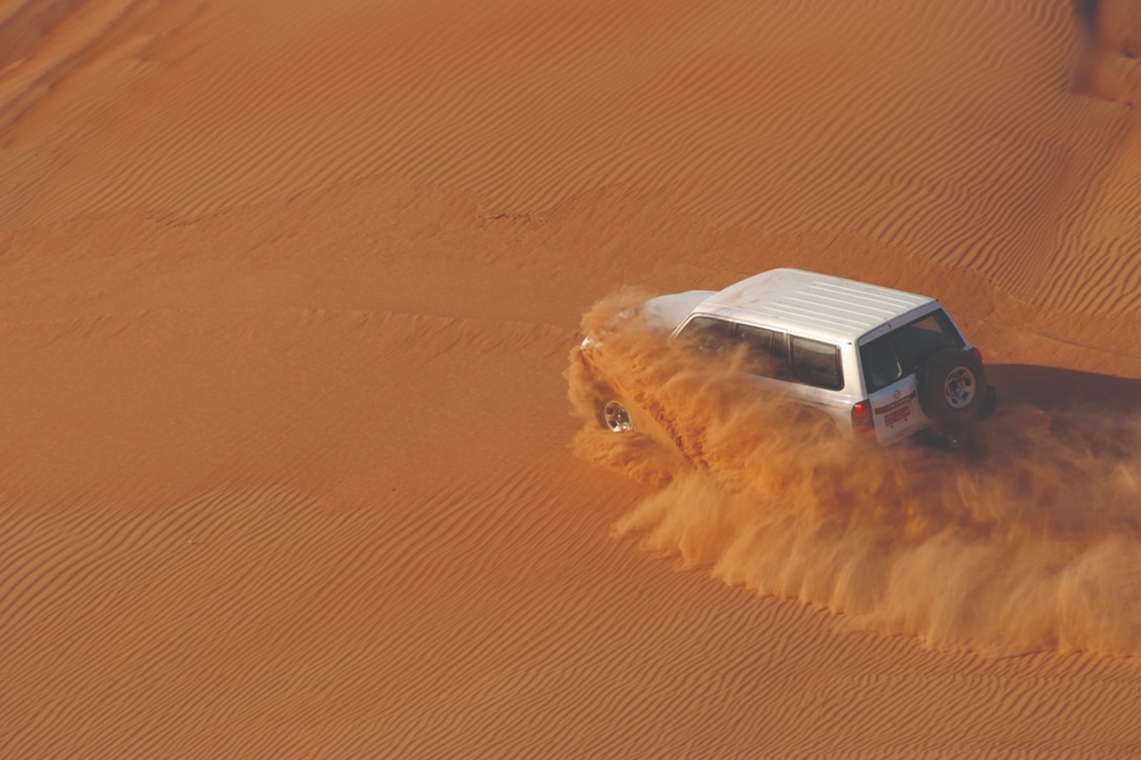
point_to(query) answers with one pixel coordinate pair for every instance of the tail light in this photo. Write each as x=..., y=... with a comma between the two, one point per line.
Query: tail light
x=862, y=423
x=978, y=354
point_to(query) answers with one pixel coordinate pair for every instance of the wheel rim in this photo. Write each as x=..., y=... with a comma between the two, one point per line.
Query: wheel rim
x=616, y=417
x=960, y=387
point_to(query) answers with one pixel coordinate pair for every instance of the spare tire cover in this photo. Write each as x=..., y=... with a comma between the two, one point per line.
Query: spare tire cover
x=952, y=387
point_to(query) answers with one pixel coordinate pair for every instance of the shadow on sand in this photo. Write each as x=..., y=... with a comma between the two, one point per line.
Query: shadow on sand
x=1053, y=389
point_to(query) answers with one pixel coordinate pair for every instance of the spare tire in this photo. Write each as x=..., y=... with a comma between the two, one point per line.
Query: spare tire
x=952, y=387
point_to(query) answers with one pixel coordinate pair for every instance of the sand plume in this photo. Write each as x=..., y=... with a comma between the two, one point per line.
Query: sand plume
x=1029, y=540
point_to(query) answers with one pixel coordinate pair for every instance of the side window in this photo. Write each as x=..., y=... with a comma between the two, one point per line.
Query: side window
x=816, y=363
x=766, y=352
x=708, y=335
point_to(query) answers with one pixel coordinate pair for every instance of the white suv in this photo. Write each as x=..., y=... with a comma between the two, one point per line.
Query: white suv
x=881, y=363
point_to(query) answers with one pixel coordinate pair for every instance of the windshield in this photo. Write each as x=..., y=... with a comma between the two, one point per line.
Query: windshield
x=903, y=350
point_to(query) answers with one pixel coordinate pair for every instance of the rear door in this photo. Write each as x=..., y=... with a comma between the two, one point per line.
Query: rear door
x=893, y=395
x=896, y=411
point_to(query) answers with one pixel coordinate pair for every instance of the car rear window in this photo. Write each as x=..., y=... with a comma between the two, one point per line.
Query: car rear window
x=919, y=339
x=881, y=363
x=902, y=351
x=816, y=363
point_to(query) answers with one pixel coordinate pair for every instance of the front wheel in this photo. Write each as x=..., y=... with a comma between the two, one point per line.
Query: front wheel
x=615, y=417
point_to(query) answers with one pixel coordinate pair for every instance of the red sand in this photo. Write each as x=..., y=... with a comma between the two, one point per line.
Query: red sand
x=286, y=296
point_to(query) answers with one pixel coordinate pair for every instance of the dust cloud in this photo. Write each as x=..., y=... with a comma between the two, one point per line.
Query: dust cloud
x=1028, y=540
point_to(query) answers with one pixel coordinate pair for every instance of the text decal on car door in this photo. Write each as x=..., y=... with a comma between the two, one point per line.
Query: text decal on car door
x=895, y=405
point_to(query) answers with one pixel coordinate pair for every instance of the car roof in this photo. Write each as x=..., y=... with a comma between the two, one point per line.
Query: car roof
x=816, y=305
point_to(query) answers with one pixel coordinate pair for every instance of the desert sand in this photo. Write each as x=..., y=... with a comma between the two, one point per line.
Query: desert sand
x=289, y=466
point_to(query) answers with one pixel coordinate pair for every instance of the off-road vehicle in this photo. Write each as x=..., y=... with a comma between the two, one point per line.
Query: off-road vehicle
x=882, y=364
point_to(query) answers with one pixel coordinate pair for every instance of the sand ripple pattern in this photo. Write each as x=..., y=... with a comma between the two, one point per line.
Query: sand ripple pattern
x=951, y=130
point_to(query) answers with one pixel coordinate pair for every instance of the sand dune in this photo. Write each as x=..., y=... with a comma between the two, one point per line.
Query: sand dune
x=287, y=292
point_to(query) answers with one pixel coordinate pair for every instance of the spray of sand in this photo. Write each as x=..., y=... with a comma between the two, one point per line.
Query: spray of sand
x=1029, y=541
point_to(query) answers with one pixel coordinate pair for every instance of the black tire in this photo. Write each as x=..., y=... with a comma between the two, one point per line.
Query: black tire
x=952, y=388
